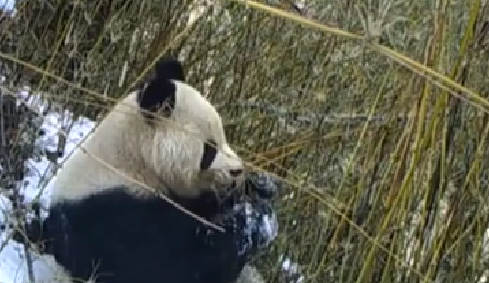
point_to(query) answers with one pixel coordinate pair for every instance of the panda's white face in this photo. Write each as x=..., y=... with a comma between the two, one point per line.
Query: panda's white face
x=188, y=148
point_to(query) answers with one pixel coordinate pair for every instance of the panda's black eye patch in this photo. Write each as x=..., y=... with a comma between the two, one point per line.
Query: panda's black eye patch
x=210, y=152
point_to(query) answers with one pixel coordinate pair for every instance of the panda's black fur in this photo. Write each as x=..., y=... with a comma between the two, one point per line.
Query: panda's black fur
x=114, y=236
x=141, y=241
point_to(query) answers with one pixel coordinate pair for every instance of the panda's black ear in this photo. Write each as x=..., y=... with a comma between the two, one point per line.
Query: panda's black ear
x=170, y=68
x=158, y=95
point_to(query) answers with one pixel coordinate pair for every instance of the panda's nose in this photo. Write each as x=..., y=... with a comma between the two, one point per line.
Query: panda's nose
x=236, y=172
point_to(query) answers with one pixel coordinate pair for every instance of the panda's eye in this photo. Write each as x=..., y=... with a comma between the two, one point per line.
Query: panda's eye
x=210, y=152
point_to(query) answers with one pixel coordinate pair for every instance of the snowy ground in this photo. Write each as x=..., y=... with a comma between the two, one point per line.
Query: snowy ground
x=13, y=268
x=7, y=4
x=12, y=260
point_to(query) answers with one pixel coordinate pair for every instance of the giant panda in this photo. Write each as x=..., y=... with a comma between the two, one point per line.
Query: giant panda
x=105, y=227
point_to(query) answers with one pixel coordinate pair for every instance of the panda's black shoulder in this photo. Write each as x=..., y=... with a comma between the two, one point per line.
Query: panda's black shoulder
x=129, y=239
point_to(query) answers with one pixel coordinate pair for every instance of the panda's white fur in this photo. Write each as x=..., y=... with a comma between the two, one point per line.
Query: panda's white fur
x=162, y=153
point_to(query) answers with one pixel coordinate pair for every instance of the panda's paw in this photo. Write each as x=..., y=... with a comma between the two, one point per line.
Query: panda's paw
x=250, y=216
x=263, y=184
x=248, y=228
x=261, y=226
x=253, y=220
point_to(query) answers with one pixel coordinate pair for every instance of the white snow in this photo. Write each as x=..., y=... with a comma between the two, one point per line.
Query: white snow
x=270, y=226
x=292, y=269
x=7, y=5
x=13, y=268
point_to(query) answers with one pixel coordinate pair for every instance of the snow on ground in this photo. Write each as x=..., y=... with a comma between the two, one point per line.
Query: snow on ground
x=7, y=4
x=13, y=267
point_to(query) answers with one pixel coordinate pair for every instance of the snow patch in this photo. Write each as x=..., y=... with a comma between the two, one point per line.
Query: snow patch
x=12, y=258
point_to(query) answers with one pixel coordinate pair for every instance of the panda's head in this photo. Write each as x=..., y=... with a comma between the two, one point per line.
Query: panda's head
x=182, y=135
x=165, y=135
